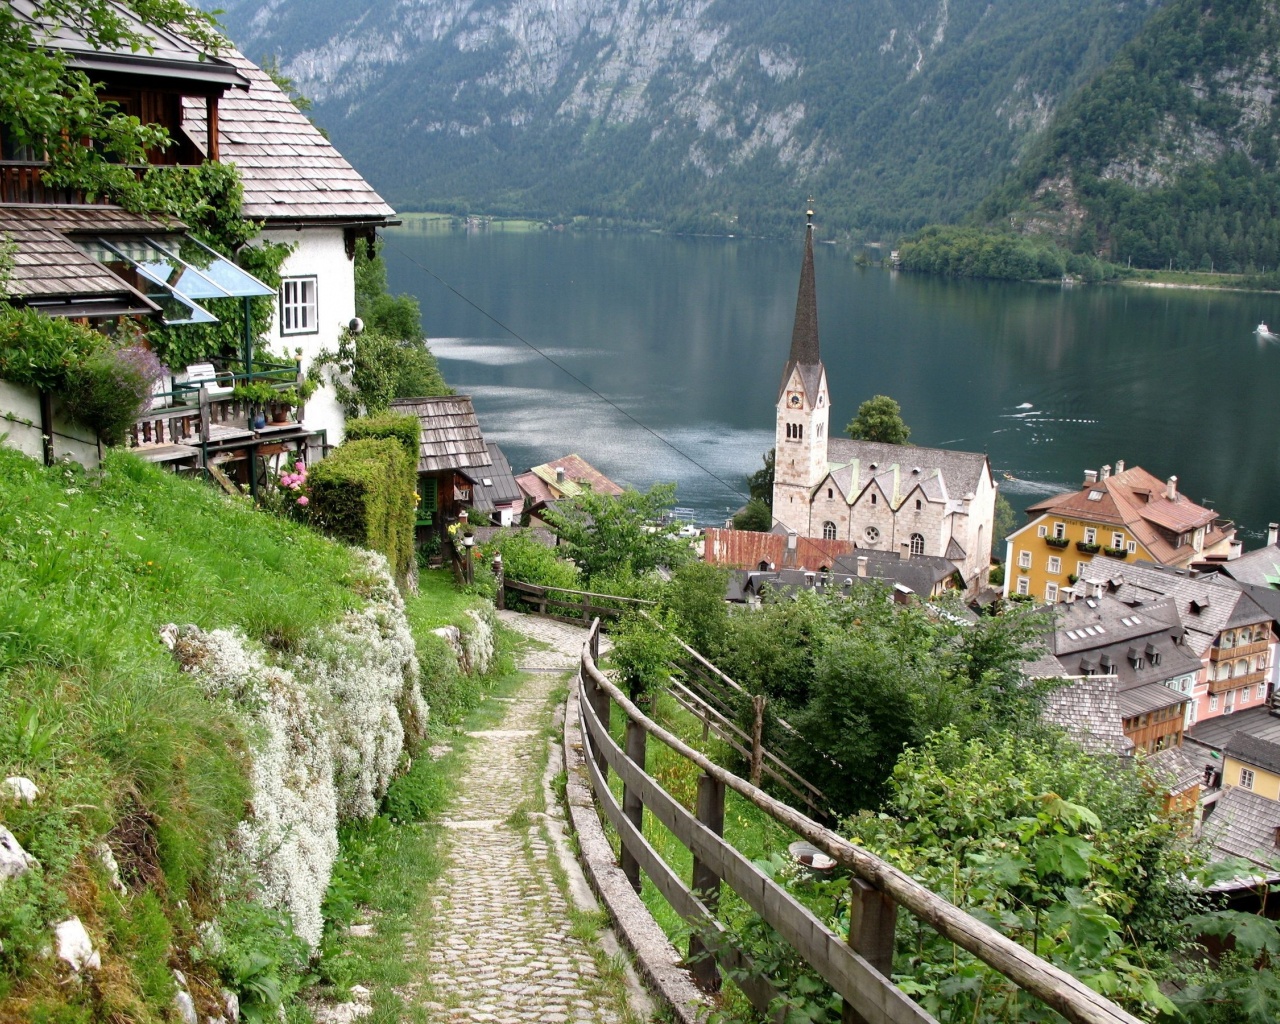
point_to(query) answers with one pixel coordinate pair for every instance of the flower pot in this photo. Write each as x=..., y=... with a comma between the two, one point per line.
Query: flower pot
x=259, y=421
x=280, y=414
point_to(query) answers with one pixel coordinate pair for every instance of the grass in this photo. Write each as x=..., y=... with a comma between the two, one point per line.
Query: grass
x=1188, y=278
x=94, y=709
x=432, y=222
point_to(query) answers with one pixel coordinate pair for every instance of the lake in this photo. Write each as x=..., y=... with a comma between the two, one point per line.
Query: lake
x=686, y=339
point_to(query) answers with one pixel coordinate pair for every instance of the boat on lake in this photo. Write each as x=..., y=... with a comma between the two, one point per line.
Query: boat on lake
x=1263, y=331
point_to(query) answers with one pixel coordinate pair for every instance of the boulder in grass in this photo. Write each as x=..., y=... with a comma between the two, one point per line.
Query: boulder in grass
x=20, y=790
x=75, y=947
x=14, y=860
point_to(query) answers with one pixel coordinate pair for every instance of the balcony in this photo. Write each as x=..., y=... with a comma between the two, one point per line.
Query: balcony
x=1088, y=549
x=1057, y=542
x=22, y=181
x=1248, y=679
x=1250, y=651
x=1120, y=553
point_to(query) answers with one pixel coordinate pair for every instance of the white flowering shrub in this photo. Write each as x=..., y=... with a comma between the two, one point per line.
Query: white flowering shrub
x=289, y=839
x=325, y=732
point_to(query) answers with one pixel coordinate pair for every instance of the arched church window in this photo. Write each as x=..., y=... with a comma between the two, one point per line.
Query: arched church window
x=918, y=506
x=917, y=544
x=873, y=498
x=828, y=530
x=830, y=493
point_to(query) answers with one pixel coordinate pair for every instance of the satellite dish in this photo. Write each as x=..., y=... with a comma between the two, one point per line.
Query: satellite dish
x=356, y=326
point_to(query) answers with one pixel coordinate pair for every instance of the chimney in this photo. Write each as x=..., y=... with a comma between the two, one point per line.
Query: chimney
x=1273, y=534
x=1171, y=489
x=1106, y=472
x=559, y=474
x=791, y=540
x=1119, y=466
x=905, y=553
x=1090, y=477
x=862, y=565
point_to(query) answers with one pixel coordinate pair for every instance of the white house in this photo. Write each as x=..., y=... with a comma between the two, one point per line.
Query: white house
x=307, y=195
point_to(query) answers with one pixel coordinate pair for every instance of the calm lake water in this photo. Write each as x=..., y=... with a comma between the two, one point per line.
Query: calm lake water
x=688, y=337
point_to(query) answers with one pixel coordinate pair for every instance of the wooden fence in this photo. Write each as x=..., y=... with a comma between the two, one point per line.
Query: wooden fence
x=856, y=967
x=577, y=606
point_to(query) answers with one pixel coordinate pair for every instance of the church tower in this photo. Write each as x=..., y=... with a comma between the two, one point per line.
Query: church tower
x=800, y=442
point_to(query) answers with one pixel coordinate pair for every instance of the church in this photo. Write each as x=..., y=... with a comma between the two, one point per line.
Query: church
x=883, y=497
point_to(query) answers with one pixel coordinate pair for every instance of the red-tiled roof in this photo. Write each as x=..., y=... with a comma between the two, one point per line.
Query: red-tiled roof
x=578, y=475
x=746, y=549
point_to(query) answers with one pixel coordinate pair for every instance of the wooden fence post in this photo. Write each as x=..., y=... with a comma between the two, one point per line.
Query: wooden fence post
x=586, y=608
x=757, y=738
x=706, y=883
x=599, y=699
x=500, y=578
x=632, y=807
x=873, y=919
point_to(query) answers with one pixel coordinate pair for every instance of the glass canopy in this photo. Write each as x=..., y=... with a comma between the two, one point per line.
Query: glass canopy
x=176, y=272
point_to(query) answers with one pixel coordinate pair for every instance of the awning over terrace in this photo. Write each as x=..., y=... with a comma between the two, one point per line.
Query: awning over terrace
x=176, y=272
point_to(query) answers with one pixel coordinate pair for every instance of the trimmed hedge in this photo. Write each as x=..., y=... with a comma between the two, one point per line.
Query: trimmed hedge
x=363, y=494
x=399, y=426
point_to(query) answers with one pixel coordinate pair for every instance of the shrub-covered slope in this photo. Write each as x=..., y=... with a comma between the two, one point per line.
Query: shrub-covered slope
x=210, y=762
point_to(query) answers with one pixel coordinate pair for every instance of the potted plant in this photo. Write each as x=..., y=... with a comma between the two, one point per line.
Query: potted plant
x=1088, y=549
x=258, y=395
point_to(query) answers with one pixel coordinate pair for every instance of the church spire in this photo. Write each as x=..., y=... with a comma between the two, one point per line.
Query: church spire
x=804, y=335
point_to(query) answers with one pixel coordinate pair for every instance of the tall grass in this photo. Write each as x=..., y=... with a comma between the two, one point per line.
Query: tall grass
x=93, y=707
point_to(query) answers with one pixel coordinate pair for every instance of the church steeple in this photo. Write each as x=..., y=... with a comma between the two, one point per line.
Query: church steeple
x=804, y=333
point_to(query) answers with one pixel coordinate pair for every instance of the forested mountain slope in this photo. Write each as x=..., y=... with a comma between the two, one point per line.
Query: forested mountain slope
x=711, y=114
x=1171, y=155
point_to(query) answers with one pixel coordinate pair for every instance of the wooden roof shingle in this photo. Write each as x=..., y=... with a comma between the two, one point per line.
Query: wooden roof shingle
x=450, y=434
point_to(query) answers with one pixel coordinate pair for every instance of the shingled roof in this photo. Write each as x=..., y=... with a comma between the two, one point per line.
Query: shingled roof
x=1254, y=750
x=450, y=434
x=290, y=171
x=1244, y=825
x=495, y=484
x=1088, y=711
x=805, y=354
x=899, y=469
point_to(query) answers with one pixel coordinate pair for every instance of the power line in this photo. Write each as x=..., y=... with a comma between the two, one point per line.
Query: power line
x=582, y=383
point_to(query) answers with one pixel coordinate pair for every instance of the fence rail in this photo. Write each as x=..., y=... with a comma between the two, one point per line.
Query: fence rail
x=857, y=969
x=583, y=604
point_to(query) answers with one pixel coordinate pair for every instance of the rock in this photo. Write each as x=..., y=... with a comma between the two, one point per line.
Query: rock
x=14, y=860
x=361, y=994
x=186, y=1007
x=361, y=931
x=75, y=946
x=22, y=791
x=231, y=1002
x=108, y=861
x=180, y=978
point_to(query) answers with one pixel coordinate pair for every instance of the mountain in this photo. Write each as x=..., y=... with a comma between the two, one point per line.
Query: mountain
x=1172, y=154
x=695, y=114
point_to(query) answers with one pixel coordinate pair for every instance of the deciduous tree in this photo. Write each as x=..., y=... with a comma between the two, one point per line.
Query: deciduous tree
x=879, y=419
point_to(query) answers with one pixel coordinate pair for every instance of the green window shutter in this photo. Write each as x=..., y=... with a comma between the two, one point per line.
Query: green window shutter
x=427, y=505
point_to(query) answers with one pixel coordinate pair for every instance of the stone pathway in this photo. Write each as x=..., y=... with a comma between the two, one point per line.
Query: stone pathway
x=563, y=642
x=506, y=950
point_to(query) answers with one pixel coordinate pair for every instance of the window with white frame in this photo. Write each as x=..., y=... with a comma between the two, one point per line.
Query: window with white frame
x=1080, y=567
x=1117, y=540
x=828, y=530
x=1059, y=530
x=1090, y=535
x=1042, y=531
x=1024, y=559
x=1246, y=778
x=1024, y=585
x=1050, y=593
x=917, y=544
x=1055, y=564
x=298, y=313
x=1213, y=702
x=1132, y=546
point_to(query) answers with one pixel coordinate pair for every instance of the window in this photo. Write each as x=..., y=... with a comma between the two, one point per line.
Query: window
x=1132, y=546
x=1024, y=585
x=1229, y=702
x=873, y=497
x=1042, y=531
x=918, y=504
x=1246, y=778
x=1051, y=593
x=1080, y=567
x=1095, y=495
x=1055, y=565
x=828, y=530
x=871, y=533
x=1117, y=540
x=1213, y=702
x=1090, y=535
x=298, y=306
x=819, y=430
x=1024, y=559
x=830, y=493
x=1059, y=530
x=917, y=544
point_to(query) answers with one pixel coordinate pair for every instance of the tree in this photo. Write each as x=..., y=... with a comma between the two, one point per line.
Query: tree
x=695, y=596
x=755, y=515
x=370, y=369
x=399, y=316
x=624, y=535
x=879, y=419
x=760, y=483
x=1004, y=523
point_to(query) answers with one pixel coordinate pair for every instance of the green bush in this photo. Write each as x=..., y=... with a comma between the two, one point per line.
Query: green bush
x=363, y=494
x=528, y=561
x=402, y=427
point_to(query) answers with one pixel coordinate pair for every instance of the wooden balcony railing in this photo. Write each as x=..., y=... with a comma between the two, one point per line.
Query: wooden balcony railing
x=1250, y=650
x=22, y=181
x=1234, y=683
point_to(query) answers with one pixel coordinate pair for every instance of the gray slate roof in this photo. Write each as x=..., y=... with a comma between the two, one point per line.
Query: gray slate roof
x=1089, y=712
x=961, y=472
x=290, y=171
x=1254, y=750
x=1140, y=700
x=919, y=573
x=1178, y=768
x=804, y=332
x=451, y=437
x=1215, y=733
x=1088, y=630
x=494, y=485
x=1260, y=567
x=1244, y=825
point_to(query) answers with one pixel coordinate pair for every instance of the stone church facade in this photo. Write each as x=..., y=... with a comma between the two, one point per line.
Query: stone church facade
x=884, y=497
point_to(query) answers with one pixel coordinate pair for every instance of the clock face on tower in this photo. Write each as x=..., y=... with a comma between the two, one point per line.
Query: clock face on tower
x=794, y=400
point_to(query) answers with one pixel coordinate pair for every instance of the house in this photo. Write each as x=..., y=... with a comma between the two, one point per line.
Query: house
x=96, y=262
x=306, y=194
x=921, y=578
x=1126, y=514
x=1245, y=821
x=1142, y=650
x=1181, y=776
x=765, y=552
x=1225, y=627
x=879, y=497
x=1087, y=710
x=565, y=477
x=1259, y=568
x=457, y=468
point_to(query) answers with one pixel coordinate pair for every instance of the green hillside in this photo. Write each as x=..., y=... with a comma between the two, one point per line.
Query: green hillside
x=719, y=117
x=1170, y=156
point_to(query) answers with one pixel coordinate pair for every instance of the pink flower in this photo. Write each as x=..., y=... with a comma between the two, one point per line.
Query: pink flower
x=300, y=467
x=304, y=501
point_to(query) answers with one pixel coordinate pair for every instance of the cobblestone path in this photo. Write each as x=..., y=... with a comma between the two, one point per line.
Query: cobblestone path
x=507, y=949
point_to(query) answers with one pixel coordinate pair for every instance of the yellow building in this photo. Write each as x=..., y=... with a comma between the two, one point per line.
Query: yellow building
x=1253, y=764
x=1126, y=514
